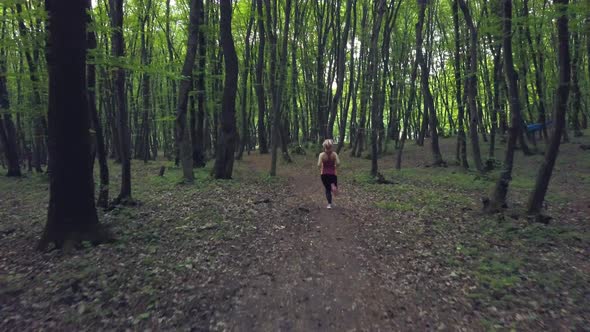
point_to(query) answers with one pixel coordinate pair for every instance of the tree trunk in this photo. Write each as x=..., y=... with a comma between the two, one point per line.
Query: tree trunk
x=538, y=63
x=8, y=138
x=461, y=138
x=497, y=108
x=259, y=84
x=410, y=104
x=72, y=214
x=103, y=192
x=351, y=86
x=118, y=50
x=244, y=135
x=199, y=159
x=278, y=89
x=544, y=175
x=498, y=200
x=39, y=122
x=376, y=92
x=182, y=131
x=226, y=141
x=576, y=93
x=340, y=70
x=7, y=131
x=428, y=101
x=144, y=146
x=471, y=87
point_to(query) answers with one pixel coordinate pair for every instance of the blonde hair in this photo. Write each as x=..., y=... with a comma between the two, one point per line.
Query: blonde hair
x=328, y=143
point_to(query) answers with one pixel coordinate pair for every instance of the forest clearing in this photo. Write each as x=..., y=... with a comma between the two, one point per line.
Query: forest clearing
x=295, y=165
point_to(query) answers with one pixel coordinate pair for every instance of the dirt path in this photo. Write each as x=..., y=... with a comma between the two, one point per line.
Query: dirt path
x=316, y=274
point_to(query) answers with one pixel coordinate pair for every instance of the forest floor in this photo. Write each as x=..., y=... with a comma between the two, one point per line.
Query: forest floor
x=263, y=253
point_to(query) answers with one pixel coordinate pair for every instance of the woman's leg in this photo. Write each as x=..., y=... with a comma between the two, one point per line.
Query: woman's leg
x=334, y=184
x=328, y=186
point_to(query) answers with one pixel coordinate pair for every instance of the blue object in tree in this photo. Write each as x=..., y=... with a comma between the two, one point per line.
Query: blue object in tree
x=533, y=127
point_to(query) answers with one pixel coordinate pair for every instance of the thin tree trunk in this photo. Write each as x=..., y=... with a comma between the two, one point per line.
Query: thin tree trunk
x=118, y=50
x=498, y=199
x=103, y=192
x=428, y=101
x=376, y=92
x=199, y=159
x=183, y=138
x=226, y=142
x=244, y=135
x=144, y=151
x=7, y=131
x=340, y=69
x=461, y=138
x=8, y=138
x=409, y=107
x=497, y=108
x=471, y=87
x=575, y=86
x=39, y=121
x=259, y=84
x=544, y=175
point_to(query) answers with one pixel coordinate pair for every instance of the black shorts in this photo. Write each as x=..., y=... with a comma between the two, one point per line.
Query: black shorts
x=328, y=179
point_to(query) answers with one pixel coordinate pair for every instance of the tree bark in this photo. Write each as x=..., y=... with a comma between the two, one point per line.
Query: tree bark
x=199, y=159
x=471, y=87
x=461, y=137
x=8, y=138
x=144, y=135
x=340, y=70
x=118, y=50
x=259, y=83
x=376, y=91
x=226, y=141
x=182, y=133
x=7, y=131
x=244, y=135
x=544, y=175
x=575, y=86
x=39, y=122
x=498, y=199
x=103, y=192
x=71, y=217
x=428, y=101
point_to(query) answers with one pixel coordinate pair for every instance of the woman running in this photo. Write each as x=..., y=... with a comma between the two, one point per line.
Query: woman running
x=327, y=161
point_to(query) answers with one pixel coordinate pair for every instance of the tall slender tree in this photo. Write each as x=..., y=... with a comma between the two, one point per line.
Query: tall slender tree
x=199, y=159
x=259, y=81
x=379, y=10
x=429, y=109
x=278, y=100
x=31, y=53
x=471, y=87
x=7, y=130
x=226, y=141
x=498, y=199
x=103, y=192
x=244, y=134
x=118, y=51
x=544, y=175
x=183, y=138
x=8, y=138
x=461, y=137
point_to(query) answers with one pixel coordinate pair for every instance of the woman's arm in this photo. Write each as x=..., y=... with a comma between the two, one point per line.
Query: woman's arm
x=337, y=159
x=320, y=159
